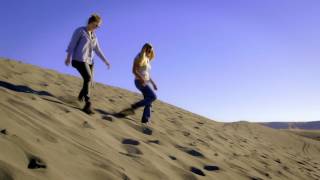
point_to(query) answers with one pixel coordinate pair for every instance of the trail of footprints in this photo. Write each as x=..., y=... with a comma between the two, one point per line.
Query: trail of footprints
x=132, y=149
x=131, y=146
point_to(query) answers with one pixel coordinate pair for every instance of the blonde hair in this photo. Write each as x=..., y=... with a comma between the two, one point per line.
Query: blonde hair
x=142, y=57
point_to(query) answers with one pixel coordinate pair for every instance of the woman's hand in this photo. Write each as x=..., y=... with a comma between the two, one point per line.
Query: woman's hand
x=143, y=82
x=154, y=85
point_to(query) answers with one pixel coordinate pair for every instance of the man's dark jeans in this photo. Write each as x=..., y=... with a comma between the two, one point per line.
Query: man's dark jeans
x=85, y=71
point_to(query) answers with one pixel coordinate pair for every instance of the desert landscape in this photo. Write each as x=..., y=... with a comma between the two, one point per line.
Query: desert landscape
x=45, y=135
x=309, y=129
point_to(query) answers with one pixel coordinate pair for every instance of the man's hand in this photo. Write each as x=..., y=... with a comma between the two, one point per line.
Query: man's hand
x=108, y=64
x=68, y=61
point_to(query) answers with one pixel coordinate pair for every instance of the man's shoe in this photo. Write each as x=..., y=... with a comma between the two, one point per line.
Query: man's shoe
x=80, y=98
x=87, y=108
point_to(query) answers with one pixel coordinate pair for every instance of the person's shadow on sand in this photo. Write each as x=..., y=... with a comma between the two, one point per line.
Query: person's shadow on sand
x=25, y=89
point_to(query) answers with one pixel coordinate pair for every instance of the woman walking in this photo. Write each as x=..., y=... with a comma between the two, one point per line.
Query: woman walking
x=80, y=54
x=143, y=81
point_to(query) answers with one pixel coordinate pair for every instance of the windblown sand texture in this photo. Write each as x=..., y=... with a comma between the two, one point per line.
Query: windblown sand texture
x=45, y=136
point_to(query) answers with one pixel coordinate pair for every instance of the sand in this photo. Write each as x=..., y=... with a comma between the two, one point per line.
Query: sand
x=45, y=136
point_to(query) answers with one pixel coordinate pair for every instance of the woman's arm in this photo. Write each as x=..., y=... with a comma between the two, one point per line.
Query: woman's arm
x=136, y=72
x=153, y=84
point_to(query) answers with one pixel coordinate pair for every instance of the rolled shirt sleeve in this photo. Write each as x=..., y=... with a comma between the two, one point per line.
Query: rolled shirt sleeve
x=74, y=40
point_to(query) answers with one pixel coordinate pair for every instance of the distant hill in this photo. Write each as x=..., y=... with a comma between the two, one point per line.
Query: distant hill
x=312, y=125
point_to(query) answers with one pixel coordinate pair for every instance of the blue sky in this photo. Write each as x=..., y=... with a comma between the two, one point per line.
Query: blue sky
x=230, y=60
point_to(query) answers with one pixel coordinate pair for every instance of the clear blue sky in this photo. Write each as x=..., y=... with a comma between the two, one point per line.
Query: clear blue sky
x=229, y=60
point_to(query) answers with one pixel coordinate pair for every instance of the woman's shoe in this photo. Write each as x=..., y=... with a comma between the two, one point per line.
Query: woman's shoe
x=146, y=129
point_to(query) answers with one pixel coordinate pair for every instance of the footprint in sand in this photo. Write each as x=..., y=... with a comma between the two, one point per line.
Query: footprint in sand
x=4, y=131
x=132, y=150
x=154, y=141
x=130, y=146
x=192, y=152
x=147, y=131
x=278, y=161
x=211, y=168
x=197, y=171
x=108, y=118
x=201, y=123
x=112, y=100
x=185, y=133
x=85, y=124
x=172, y=158
x=130, y=142
x=36, y=163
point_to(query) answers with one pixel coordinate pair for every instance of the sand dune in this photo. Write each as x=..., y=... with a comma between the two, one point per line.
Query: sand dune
x=313, y=134
x=311, y=125
x=44, y=135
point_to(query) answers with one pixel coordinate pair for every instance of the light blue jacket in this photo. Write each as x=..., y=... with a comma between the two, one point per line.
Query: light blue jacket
x=81, y=46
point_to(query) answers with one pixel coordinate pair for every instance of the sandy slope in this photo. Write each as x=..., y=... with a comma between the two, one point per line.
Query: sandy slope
x=45, y=127
x=313, y=134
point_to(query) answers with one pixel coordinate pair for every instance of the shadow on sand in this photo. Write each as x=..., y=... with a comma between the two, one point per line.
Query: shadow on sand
x=24, y=89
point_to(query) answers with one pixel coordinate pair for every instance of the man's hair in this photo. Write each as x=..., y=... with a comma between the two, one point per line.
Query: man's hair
x=94, y=18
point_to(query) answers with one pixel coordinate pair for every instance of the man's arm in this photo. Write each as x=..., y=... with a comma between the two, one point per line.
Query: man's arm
x=99, y=52
x=72, y=45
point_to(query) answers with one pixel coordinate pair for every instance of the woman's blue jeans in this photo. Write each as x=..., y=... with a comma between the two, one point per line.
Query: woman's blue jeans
x=149, y=96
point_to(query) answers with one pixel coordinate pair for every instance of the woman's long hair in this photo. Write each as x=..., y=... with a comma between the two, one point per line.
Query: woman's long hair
x=143, y=60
